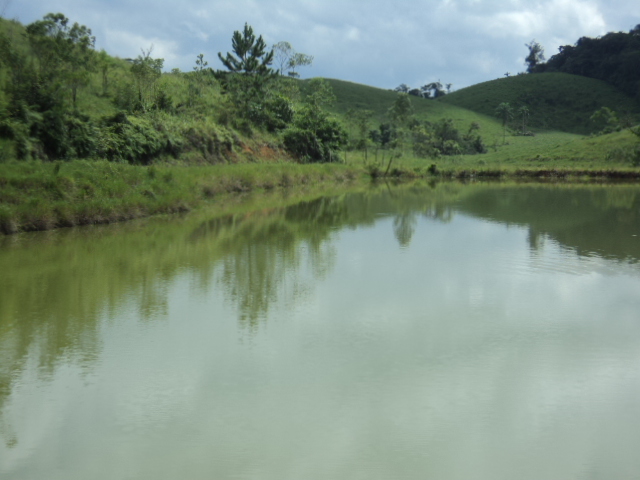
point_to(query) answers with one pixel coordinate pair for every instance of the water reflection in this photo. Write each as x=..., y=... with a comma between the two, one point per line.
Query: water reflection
x=65, y=295
x=590, y=220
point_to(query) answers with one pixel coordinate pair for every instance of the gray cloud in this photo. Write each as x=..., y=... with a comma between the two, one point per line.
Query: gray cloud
x=378, y=43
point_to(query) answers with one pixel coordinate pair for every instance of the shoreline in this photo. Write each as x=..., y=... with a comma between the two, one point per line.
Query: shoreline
x=39, y=196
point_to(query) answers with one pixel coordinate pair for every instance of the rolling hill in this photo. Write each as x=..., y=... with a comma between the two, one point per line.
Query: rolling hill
x=557, y=101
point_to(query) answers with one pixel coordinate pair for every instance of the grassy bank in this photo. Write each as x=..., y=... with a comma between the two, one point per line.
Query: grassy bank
x=616, y=153
x=43, y=196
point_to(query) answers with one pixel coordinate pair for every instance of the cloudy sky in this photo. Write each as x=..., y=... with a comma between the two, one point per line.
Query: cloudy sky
x=375, y=42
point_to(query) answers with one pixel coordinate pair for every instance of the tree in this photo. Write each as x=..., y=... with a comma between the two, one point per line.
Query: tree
x=361, y=119
x=400, y=113
x=105, y=63
x=250, y=71
x=523, y=111
x=65, y=54
x=286, y=58
x=146, y=71
x=607, y=120
x=201, y=64
x=505, y=112
x=401, y=110
x=433, y=89
x=315, y=136
x=250, y=56
x=535, y=57
x=283, y=51
x=298, y=60
x=198, y=78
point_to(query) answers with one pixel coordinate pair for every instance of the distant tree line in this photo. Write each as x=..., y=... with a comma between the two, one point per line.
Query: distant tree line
x=429, y=90
x=613, y=58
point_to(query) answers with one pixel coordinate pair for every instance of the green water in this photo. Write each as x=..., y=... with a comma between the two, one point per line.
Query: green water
x=445, y=332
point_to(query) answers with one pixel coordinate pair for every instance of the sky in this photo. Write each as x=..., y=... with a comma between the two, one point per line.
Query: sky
x=374, y=42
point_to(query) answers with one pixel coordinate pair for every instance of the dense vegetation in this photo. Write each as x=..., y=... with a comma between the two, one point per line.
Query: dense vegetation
x=60, y=99
x=613, y=58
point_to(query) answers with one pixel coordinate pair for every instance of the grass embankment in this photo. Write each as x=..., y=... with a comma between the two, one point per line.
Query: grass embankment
x=42, y=196
x=563, y=153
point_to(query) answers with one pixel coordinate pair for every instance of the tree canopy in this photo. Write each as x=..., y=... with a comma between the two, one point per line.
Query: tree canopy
x=613, y=58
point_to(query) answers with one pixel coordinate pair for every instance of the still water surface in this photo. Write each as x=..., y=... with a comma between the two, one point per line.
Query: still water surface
x=447, y=332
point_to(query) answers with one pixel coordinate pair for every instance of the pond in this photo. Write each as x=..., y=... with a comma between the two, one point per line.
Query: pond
x=446, y=331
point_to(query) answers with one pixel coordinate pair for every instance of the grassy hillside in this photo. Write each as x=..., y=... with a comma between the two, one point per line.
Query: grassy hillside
x=557, y=101
x=362, y=97
x=563, y=147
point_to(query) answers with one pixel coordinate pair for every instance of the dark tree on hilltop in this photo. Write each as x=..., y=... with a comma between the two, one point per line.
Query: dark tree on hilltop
x=535, y=57
x=433, y=90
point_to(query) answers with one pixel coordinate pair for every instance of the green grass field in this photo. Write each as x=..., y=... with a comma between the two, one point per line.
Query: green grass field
x=557, y=101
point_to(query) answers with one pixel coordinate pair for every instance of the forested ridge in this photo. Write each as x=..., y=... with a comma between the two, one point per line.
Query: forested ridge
x=614, y=58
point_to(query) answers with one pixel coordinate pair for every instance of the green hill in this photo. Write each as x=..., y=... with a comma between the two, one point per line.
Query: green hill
x=557, y=101
x=560, y=107
x=356, y=96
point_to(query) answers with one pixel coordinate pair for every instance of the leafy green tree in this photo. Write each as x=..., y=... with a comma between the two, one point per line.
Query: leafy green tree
x=198, y=79
x=400, y=113
x=201, y=64
x=505, y=113
x=315, y=136
x=296, y=61
x=105, y=64
x=147, y=71
x=360, y=119
x=524, y=113
x=607, y=120
x=282, y=53
x=535, y=57
x=401, y=110
x=65, y=53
